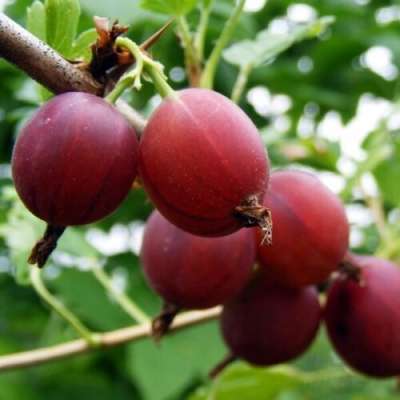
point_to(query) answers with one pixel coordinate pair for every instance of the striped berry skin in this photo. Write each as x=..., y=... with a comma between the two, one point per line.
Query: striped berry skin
x=363, y=318
x=195, y=272
x=75, y=160
x=310, y=230
x=268, y=324
x=200, y=158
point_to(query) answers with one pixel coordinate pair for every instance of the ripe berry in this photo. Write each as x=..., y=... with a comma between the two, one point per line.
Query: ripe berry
x=363, y=318
x=75, y=160
x=73, y=163
x=267, y=324
x=193, y=271
x=310, y=230
x=203, y=164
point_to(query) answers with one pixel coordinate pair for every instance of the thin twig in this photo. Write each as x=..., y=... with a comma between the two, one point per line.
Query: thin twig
x=46, y=66
x=200, y=36
x=105, y=340
x=207, y=79
x=128, y=305
x=60, y=308
x=241, y=82
x=192, y=62
x=41, y=62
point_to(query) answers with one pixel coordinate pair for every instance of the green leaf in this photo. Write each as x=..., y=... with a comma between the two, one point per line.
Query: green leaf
x=73, y=242
x=165, y=370
x=388, y=172
x=36, y=20
x=81, y=46
x=81, y=292
x=126, y=11
x=170, y=7
x=206, y=3
x=44, y=93
x=268, y=45
x=20, y=232
x=241, y=381
x=36, y=24
x=378, y=149
x=62, y=17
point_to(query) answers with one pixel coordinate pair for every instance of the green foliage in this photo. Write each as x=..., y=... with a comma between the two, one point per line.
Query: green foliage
x=36, y=20
x=62, y=17
x=251, y=383
x=388, y=171
x=178, y=362
x=56, y=22
x=170, y=7
x=267, y=45
x=177, y=368
x=81, y=46
x=313, y=377
x=19, y=231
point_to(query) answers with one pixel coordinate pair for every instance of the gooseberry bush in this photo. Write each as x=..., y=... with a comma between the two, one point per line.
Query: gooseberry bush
x=154, y=183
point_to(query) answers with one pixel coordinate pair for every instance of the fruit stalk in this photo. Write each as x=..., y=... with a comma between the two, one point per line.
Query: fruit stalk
x=228, y=360
x=144, y=64
x=45, y=246
x=161, y=324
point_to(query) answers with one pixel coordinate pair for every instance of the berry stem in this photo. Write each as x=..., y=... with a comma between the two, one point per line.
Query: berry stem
x=229, y=359
x=144, y=65
x=207, y=79
x=60, y=308
x=130, y=307
x=45, y=246
x=160, y=83
x=119, y=88
x=161, y=324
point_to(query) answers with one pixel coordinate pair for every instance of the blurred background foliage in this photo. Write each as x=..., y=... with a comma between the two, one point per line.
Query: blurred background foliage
x=330, y=105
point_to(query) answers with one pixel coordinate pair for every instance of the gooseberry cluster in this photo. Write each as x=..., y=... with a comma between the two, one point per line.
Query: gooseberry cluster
x=200, y=158
x=205, y=168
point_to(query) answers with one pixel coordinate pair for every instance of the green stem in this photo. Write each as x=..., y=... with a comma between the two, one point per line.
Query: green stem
x=186, y=36
x=124, y=301
x=143, y=64
x=192, y=61
x=207, y=79
x=184, y=30
x=160, y=83
x=200, y=36
x=241, y=82
x=60, y=308
x=119, y=88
